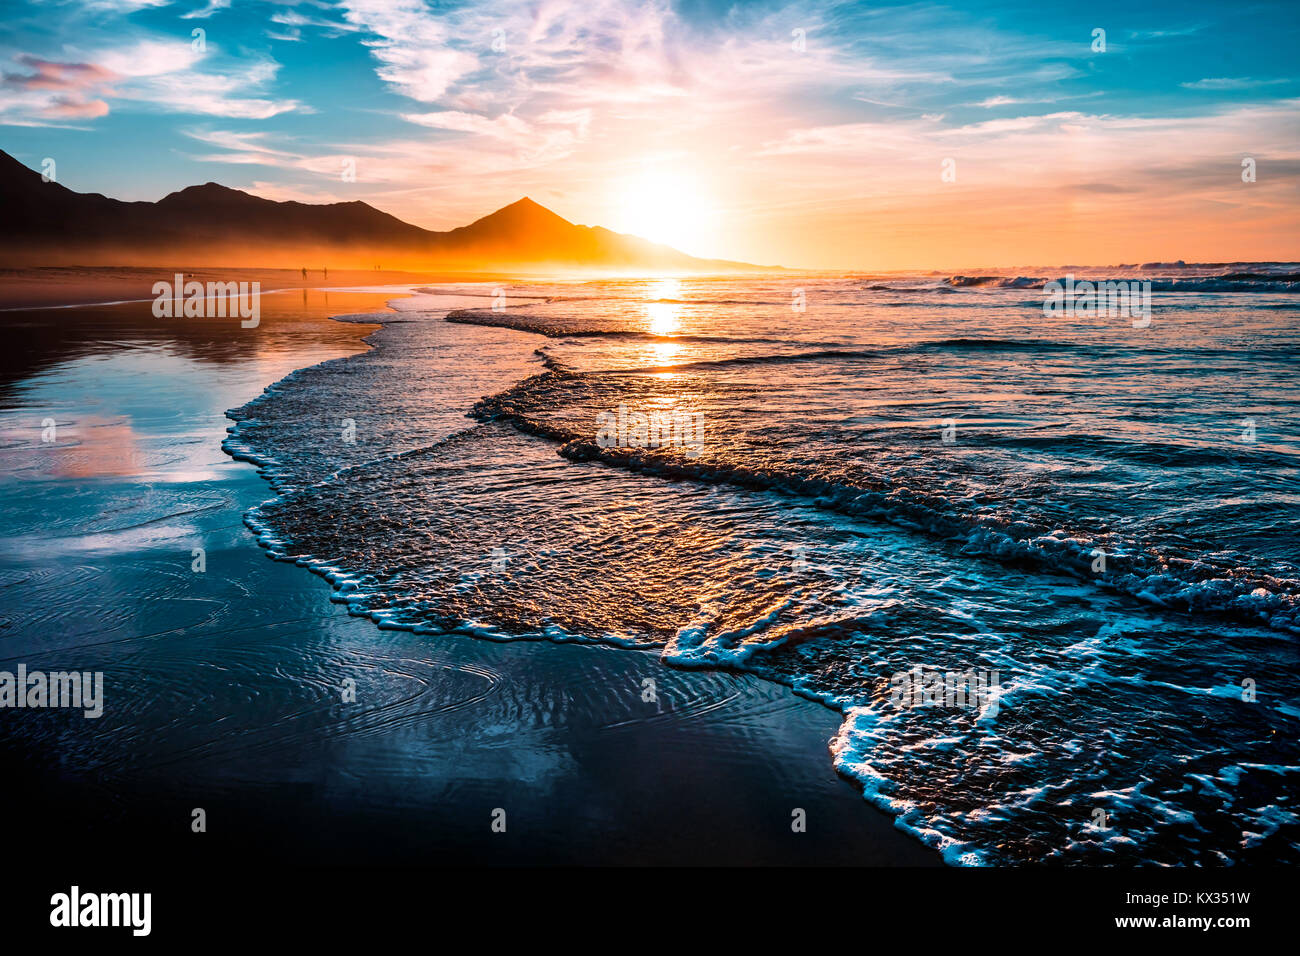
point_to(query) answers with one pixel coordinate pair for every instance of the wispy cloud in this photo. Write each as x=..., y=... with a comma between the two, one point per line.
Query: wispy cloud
x=156, y=73
x=201, y=13
x=410, y=45
x=505, y=126
x=297, y=22
x=1231, y=83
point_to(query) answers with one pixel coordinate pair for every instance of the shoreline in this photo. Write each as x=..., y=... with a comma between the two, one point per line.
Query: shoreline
x=755, y=749
x=67, y=287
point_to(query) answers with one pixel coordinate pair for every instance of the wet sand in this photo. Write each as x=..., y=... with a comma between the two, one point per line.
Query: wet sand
x=307, y=735
x=62, y=286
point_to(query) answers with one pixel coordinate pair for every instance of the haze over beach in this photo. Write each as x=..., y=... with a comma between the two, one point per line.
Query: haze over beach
x=641, y=433
x=213, y=225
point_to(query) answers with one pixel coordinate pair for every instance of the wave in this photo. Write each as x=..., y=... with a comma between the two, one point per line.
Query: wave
x=996, y=282
x=923, y=290
x=1256, y=282
x=396, y=526
x=556, y=330
x=1147, y=574
x=813, y=351
x=704, y=301
x=1260, y=284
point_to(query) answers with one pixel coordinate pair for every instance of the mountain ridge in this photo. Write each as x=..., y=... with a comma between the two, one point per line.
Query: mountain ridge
x=48, y=224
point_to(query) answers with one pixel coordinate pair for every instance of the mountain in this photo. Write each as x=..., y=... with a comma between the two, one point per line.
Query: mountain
x=47, y=224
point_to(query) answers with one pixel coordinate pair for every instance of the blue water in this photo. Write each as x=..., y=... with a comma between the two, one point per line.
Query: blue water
x=910, y=473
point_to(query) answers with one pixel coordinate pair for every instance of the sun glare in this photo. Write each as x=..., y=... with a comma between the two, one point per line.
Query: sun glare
x=662, y=308
x=668, y=208
x=662, y=316
x=668, y=288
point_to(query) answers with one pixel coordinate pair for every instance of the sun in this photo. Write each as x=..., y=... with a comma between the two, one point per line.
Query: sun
x=667, y=207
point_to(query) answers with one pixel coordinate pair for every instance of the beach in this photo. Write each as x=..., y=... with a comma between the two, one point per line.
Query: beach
x=662, y=570
x=66, y=286
x=647, y=435
x=234, y=685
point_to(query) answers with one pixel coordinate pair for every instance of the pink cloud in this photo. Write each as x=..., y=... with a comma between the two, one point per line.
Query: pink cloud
x=74, y=107
x=53, y=75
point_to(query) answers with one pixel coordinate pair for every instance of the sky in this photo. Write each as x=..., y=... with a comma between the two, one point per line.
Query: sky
x=810, y=135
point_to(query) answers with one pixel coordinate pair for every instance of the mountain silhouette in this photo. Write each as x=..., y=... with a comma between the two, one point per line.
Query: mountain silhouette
x=47, y=224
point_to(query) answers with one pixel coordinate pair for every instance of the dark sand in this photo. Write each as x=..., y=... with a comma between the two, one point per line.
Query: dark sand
x=224, y=689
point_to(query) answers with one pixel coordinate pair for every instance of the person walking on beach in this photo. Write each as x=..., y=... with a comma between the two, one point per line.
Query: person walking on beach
x=304, y=272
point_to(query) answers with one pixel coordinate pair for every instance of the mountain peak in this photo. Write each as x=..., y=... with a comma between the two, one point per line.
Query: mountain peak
x=48, y=224
x=522, y=215
x=208, y=192
x=529, y=208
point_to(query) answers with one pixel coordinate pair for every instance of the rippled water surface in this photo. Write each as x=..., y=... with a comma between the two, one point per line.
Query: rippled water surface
x=908, y=473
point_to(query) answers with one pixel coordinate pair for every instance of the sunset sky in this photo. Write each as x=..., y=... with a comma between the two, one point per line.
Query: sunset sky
x=809, y=135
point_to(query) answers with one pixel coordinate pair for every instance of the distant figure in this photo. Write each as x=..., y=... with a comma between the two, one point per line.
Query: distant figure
x=304, y=272
x=327, y=273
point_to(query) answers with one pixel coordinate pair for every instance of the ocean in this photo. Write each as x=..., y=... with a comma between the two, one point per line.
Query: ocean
x=1044, y=563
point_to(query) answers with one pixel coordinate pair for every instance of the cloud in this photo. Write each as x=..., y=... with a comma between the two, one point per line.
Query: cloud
x=76, y=107
x=995, y=101
x=502, y=147
x=1106, y=182
x=215, y=94
x=149, y=57
x=505, y=127
x=52, y=75
x=50, y=92
x=1231, y=83
x=1166, y=33
x=283, y=193
x=1103, y=188
x=159, y=73
x=296, y=22
x=1060, y=139
x=242, y=147
x=122, y=6
x=202, y=13
x=410, y=45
